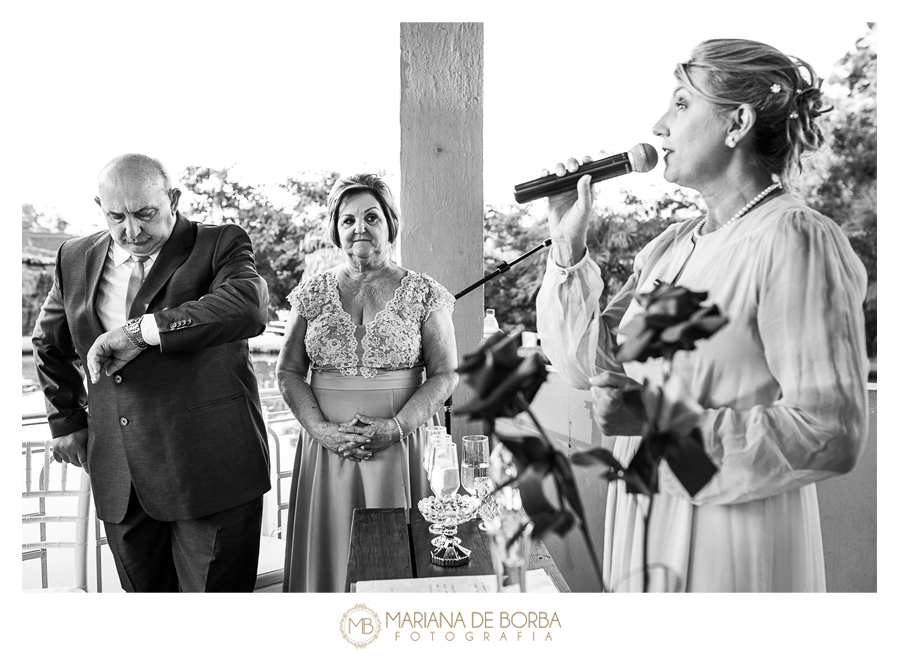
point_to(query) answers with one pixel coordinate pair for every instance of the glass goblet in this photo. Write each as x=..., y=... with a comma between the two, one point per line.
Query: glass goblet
x=474, y=462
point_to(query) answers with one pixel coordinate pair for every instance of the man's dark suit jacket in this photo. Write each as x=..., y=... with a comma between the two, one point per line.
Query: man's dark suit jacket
x=182, y=421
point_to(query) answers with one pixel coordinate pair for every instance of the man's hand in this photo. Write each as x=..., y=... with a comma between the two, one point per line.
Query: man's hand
x=72, y=449
x=109, y=353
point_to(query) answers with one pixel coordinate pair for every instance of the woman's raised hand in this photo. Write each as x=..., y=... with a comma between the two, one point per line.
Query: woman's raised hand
x=569, y=213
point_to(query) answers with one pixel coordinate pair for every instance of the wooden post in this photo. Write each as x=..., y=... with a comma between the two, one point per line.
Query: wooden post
x=441, y=189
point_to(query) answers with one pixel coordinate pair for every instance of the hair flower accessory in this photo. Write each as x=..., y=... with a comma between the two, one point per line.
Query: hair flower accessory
x=775, y=88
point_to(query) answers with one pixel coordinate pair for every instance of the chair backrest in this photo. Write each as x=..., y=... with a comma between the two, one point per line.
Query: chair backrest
x=270, y=567
x=270, y=399
x=40, y=489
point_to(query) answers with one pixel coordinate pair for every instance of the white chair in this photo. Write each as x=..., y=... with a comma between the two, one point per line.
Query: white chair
x=270, y=570
x=42, y=492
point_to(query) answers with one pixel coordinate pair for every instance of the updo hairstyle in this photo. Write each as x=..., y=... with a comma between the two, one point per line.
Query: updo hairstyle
x=355, y=184
x=730, y=72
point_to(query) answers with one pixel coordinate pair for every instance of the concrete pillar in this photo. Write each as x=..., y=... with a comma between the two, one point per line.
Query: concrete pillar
x=441, y=196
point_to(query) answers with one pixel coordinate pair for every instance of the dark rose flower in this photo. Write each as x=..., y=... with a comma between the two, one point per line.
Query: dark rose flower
x=504, y=382
x=674, y=320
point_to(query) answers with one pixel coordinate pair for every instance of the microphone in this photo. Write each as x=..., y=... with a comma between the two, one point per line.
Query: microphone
x=641, y=158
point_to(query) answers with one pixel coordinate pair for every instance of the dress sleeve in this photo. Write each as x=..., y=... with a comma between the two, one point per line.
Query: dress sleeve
x=436, y=296
x=577, y=336
x=306, y=298
x=810, y=322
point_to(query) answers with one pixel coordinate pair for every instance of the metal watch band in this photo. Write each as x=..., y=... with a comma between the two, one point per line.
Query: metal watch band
x=133, y=333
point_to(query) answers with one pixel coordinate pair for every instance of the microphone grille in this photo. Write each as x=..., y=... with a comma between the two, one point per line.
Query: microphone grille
x=643, y=158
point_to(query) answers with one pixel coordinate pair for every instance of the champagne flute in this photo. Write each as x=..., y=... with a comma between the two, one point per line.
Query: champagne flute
x=444, y=484
x=444, y=469
x=431, y=433
x=475, y=478
x=436, y=437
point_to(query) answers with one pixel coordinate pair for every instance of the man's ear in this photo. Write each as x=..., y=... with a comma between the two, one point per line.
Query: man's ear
x=174, y=198
x=97, y=201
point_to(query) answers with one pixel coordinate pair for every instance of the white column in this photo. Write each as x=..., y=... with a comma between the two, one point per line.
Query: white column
x=441, y=195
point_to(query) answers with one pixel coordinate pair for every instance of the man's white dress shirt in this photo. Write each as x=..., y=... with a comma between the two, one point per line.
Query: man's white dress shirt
x=114, y=288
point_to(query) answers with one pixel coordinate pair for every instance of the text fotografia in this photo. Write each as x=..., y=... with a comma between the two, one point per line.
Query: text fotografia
x=480, y=626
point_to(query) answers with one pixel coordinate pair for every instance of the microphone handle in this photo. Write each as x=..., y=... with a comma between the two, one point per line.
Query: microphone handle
x=610, y=167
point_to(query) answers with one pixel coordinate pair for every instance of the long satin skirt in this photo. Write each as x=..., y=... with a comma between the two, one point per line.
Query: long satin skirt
x=326, y=488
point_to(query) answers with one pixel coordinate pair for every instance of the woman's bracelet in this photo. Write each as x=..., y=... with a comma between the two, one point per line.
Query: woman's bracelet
x=399, y=429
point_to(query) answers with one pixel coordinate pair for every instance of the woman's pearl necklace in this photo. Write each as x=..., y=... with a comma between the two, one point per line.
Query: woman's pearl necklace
x=743, y=211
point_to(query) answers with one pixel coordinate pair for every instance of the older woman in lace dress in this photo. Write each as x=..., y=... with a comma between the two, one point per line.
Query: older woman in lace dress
x=368, y=359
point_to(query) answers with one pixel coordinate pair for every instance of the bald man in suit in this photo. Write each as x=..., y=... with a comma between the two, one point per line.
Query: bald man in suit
x=169, y=425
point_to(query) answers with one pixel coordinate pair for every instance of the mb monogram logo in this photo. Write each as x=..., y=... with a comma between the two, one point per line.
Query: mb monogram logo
x=360, y=626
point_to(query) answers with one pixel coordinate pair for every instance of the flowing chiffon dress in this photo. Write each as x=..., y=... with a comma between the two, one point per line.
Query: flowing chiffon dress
x=373, y=370
x=782, y=389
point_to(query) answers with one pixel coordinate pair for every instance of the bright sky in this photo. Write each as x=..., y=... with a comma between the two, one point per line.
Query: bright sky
x=274, y=93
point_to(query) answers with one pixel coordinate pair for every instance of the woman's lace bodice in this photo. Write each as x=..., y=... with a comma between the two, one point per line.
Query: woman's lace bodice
x=391, y=341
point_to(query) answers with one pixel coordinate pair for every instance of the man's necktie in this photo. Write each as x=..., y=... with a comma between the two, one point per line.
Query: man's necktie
x=134, y=283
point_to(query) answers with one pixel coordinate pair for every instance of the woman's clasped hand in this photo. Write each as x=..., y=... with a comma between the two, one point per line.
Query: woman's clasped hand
x=331, y=437
x=374, y=434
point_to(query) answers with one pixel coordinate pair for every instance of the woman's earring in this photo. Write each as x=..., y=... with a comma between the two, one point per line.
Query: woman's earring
x=731, y=142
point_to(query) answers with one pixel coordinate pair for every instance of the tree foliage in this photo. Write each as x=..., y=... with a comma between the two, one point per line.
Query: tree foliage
x=841, y=182
x=283, y=236
x=42, y=221
x=615, y=235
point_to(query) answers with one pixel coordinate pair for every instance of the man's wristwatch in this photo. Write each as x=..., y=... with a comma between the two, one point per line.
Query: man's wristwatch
x=134, y=335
